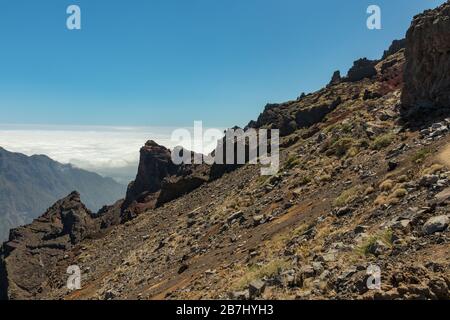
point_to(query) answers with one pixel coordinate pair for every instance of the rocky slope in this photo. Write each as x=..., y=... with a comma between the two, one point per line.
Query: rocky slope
x=362, y=184
x=29, y=185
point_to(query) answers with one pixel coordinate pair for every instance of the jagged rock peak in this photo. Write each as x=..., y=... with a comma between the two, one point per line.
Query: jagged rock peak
x=336, y=78
x=155, y=164
x=151, y=143
x=67, y=217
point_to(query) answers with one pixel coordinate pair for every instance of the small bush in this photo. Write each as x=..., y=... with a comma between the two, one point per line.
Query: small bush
x=325, y=178
x=292, y=162
x=421, y=155
x=382, y=142
x=303, y=181
x=387, y=185
x=435, y=168
x=399, y=193
x=385, y=237
x=341, y=146
x=369, y=190
x=346, y=197
x=352, y=152
x=256, y=272
x=380, y=200
x=363, y=144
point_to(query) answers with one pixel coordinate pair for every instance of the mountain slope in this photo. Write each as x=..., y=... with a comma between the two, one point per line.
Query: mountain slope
x=29, y=185
x=364, y=182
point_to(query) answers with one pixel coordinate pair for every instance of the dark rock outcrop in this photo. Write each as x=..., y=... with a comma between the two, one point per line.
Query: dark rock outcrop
x=219, y=168
x=175, y=187
x=34, y=254
x=362, y=68
x=275, y=116
x=336, y=78
x=427, y=70
x=395, y=47
x=314, y=114
x=154, y=165
x=159, y=180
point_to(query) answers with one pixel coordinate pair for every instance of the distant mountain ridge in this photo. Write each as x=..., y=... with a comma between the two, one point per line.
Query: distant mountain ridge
x=29, y=185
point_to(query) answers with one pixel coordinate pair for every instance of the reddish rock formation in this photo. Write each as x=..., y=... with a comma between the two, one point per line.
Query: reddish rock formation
x=427, y=71
x=159, y=180
x=154, y=165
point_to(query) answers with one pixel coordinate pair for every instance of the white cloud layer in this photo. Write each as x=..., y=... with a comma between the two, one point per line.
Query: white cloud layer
x=109, y=151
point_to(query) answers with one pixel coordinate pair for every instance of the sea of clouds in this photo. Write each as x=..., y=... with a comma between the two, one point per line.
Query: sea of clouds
x=109, y=151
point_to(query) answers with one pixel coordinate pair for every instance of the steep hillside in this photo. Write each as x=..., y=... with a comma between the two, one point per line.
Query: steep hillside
x=29, y=185
x=364, y=184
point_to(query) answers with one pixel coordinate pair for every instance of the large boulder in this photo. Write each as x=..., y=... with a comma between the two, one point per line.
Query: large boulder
x=427, y=70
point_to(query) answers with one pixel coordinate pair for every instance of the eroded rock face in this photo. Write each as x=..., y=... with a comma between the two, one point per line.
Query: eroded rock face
x=427, y=70
x=314, y=114
x=154, y=165
x=175, y=187
x=159, y=180
x=395, y=47
x=275, y=115
x=33, y=255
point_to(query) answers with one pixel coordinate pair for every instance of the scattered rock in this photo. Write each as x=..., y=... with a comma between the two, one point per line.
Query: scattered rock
x=307, y=271
x=392, y=165
x=343, y=211
x=256, y=288
x=235, y=216
x=428, y=180
x=110, y=295
x=360, y=229
x=258, y=219
x=443, y=196
x=436, y=224
x=183, y=268
x=240, y=295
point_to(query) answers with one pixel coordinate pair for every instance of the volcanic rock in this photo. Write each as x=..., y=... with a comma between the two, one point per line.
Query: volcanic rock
x=427, y=70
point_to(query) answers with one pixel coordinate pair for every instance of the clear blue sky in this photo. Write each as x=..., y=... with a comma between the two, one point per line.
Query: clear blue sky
x=170, y=62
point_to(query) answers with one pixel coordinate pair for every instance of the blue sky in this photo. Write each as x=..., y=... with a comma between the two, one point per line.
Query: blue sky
x=170, y=62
